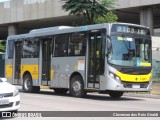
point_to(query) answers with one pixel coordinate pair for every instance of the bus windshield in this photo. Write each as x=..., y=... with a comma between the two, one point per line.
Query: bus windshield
x=130, y=51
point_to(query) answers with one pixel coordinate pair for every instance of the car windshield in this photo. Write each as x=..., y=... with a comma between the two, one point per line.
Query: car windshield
x=130, y=51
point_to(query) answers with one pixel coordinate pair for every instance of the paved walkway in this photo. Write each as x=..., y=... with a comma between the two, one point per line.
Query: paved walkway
x=144, y=95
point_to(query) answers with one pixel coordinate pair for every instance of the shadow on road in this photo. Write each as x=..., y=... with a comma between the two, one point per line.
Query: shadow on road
x=91, y=96
x=106, y=97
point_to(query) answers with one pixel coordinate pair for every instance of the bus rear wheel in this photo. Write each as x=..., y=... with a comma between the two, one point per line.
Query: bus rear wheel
x=77, y=87
x=60, y=90
x=28, y=86
x=115, y=94
x=27, y=83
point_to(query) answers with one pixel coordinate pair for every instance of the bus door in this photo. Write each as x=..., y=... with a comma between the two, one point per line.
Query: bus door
x=46, y=61
x=17, y=62
x=95, y=59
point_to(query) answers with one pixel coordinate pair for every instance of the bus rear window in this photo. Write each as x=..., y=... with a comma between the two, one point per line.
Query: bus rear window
x=10, y=49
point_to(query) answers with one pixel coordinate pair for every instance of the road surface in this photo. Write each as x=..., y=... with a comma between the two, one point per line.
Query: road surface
x=47, y=100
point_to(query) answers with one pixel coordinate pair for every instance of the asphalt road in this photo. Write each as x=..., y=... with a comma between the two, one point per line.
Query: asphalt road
x=47, y=100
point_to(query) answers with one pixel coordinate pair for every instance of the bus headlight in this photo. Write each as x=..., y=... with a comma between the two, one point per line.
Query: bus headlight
x=117, y=78
x=112, y=75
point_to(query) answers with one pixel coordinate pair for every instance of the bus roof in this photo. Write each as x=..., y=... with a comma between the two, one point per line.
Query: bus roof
x=64, y=29
x=50, y=29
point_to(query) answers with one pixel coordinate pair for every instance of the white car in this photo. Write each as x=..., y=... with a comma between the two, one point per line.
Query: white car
x=9, y=96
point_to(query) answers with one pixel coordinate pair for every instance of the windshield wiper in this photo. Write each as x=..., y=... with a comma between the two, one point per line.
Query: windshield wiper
x=128, y=47
x=146, y=52
x=131, y=52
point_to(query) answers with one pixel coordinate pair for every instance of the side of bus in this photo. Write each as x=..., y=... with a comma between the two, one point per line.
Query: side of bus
x=71, y=60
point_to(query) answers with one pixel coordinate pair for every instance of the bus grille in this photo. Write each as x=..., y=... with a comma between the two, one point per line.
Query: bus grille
x=129, y=85
x=135, y=71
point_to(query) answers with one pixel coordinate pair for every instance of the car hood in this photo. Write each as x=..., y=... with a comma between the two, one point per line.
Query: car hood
x=6, y=87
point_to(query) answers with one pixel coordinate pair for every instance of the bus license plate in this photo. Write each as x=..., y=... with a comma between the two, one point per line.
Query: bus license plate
x=4, y=102
x=135, y=86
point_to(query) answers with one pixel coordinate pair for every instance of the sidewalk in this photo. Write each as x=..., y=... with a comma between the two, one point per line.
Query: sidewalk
x=142, y=95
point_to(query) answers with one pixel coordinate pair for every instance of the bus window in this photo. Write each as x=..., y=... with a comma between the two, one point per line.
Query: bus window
x=10, y=49
x=30, y=49
x=77, y=44
x=61, y=45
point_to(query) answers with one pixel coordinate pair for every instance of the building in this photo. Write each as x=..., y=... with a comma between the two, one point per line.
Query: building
x=20, y=16
x=144, y=12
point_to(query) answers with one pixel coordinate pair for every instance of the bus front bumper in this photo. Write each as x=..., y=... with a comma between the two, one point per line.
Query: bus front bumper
x=112, y=84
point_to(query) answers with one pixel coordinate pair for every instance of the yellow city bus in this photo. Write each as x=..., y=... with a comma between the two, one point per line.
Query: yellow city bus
x=111, y=58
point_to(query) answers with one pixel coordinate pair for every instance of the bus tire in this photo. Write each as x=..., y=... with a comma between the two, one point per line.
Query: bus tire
x=27, y=83
x=77, y=87
x=60, y=90
x=115, y=94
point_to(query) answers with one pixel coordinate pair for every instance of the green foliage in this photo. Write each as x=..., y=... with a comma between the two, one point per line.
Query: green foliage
x=78, y=22
x=2, y=48
x=90, y=9
x=109, y=17
x=2, y=45
x=108, y=3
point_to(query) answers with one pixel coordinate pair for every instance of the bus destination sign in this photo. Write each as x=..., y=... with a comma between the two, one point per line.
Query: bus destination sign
x=130, y=29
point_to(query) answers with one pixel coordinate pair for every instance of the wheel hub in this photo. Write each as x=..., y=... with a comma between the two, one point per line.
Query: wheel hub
x=76, y=86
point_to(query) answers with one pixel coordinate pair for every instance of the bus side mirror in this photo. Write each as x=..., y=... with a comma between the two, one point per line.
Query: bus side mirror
x=109, y=45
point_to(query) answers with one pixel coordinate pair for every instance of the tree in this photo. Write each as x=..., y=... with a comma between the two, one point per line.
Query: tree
x=109, y=17
x=2, y=45
x=89, y=9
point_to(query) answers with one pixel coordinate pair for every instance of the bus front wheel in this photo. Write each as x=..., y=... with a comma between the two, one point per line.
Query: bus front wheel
x=115, y=94
x=77, y=87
